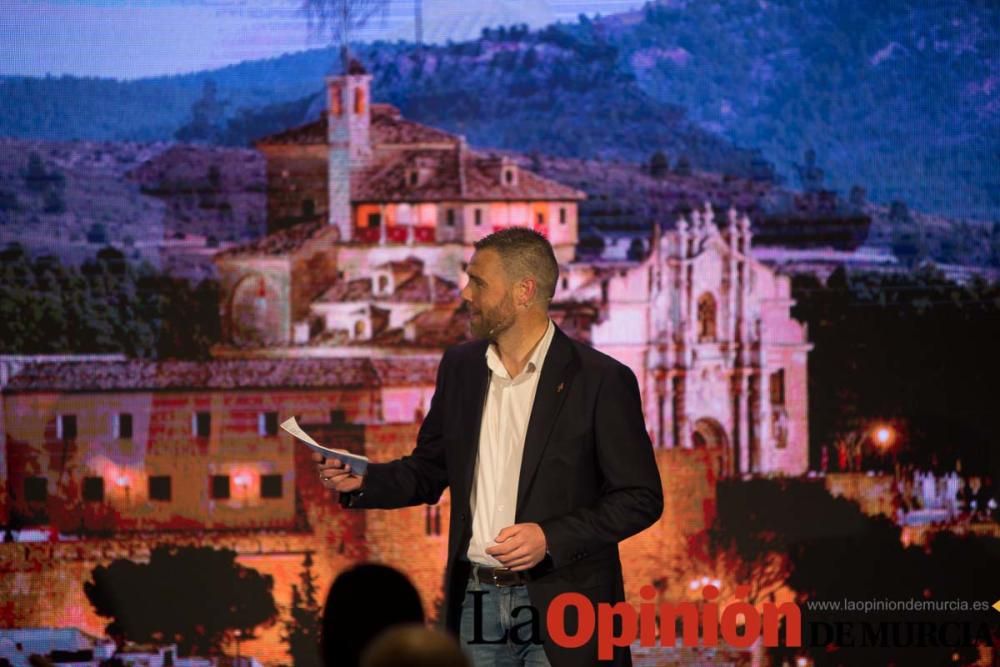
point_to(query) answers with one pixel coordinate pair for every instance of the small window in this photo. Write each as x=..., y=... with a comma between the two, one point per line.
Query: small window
x=201, y=424
x=36, y=489
x=93, y=489
x=159, y=488
x=777, y=387
x=267, y=423
x=338, y=416
x=359, y=100
x=66, y=427
x=565, y=283
x=479, y=216
x=508, y=176
x=562, y=216
x=374, y=219
x=706, y=318
x=414, y=178
x=540, y=219
x=432, y=520
x=336, y=101
x=220, y=487
x=270, y=486
x=450, y=217
x=123, y=425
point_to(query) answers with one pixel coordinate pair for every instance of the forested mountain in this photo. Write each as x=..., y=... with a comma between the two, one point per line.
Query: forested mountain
x=899, y=98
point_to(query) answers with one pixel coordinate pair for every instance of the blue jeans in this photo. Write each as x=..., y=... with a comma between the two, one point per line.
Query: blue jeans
x=495, y=622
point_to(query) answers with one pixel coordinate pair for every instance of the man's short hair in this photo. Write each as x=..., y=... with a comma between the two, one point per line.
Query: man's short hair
x=524, y=252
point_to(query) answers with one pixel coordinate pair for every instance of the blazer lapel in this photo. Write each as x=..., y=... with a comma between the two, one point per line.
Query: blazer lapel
x=473, y=404
x=553, y=387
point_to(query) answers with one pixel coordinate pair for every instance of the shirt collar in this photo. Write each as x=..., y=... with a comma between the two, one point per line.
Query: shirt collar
x=535, y=361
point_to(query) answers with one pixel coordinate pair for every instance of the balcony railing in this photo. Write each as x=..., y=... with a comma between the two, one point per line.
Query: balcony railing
x=396, y=234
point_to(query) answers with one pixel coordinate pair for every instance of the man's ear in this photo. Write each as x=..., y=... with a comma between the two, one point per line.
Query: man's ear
x=530, y=289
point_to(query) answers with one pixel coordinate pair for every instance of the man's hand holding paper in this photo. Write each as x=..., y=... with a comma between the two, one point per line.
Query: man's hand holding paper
x=337, y=475
x=338, y=469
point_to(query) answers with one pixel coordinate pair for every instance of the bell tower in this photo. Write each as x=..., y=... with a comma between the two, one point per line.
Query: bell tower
x=348, y=139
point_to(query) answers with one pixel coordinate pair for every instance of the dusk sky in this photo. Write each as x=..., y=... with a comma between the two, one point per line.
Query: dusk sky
x=133, y=39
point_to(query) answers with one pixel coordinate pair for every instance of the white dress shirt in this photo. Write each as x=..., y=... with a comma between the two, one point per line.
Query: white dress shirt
x=501, y=446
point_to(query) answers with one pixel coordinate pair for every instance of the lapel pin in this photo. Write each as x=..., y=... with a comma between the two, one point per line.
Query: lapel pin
x=560, y=387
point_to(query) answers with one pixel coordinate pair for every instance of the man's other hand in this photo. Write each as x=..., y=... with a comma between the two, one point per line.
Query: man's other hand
x=336, y=475
x=519, y=547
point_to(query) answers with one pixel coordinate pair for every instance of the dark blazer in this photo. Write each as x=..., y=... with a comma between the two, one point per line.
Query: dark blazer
x=588, y=475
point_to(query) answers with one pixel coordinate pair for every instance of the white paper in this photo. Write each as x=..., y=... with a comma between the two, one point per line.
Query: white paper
x=358, y=463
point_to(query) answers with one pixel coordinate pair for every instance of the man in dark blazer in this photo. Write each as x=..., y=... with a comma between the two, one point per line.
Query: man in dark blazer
x=586, y=477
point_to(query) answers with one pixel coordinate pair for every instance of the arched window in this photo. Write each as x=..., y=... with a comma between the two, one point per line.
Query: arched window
x=706, y=318
x=359, y=100
x=359, y=329
x=336, y=101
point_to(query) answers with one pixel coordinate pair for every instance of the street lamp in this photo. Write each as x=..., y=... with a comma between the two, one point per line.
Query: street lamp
x=122, y=482
x=884, y=436
x=243, y=481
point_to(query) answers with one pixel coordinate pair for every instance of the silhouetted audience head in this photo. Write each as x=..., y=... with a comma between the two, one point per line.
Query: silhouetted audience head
x=414, y=646
x=363, y=601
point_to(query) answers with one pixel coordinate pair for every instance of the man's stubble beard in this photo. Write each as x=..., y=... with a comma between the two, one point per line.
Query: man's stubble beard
x=494, y=322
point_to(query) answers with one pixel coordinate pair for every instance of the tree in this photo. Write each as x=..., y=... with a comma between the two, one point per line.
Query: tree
x=995, y=244
x=195, y=596
x=302, y=629
x=8, y=201
x=899, y=212
x=683, y=166
x=341, y=19
x=207, y=116
x=810, y=175
x=857, y=198
x=772, y=533
x=35, y=176
x=636, y=251
x=54, y=202
x=658, y=165
x=879, y=337
x=97, y=234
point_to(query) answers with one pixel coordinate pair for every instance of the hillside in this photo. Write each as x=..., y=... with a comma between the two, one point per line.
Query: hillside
x=175, y=205
x=172, y=206
x=899, y=100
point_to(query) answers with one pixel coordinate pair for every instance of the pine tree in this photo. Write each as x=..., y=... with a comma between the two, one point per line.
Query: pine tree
x=302, y=627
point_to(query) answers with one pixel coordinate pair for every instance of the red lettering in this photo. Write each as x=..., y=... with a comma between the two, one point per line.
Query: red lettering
x=555, y=620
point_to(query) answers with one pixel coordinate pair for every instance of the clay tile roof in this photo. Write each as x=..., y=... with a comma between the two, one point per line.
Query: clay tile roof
x=387, y=127
x=403, y=270
x=313, y=132
x=483, y=182
x=418, y=290
x=358, y=289
x=386, y=179
x=478, y=180
x=217, y=374
x=402, y=371
x=282, y=242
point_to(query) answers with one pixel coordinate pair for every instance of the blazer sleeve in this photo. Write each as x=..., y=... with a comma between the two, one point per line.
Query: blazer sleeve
x=631, y=497
x=421, y=477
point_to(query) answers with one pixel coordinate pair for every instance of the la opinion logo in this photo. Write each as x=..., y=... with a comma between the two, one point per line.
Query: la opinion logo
x=738, y=623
